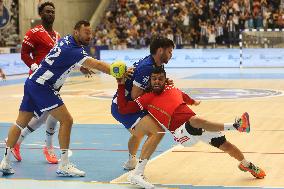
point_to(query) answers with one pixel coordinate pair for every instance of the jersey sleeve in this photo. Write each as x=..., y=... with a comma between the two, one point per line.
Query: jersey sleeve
x=142, y=77
x=144, y=100
x=187, y=99
x=81, y=57
x=124, y=106
x=71, y=55
x=28, y=46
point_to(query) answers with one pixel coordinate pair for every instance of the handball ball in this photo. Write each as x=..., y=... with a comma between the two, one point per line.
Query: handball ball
x=117, y=69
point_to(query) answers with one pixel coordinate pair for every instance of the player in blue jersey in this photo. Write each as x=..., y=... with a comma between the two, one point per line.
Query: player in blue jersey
x=141, y=124
x=40, y=93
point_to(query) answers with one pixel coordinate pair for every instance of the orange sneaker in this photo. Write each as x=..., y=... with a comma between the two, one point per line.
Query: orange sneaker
x=50, y=155
x=242, y=124
x=254, y=170
x=16, y=151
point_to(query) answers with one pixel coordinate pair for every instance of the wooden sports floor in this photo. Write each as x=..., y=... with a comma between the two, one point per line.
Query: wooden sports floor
x=225, y=94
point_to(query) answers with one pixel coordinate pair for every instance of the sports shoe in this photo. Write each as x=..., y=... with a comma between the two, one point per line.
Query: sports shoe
x=242, y=124
x=130, y=164
x=6, y=168
x=50, y=155
x=254, y=170
x=16, y=151
x=140, y=181
x=69, y=170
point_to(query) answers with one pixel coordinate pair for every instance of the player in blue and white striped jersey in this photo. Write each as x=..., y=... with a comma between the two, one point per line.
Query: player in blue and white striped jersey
x=40, y=93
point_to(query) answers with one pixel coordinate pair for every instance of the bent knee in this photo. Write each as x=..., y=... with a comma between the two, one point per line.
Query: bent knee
x=221, y=143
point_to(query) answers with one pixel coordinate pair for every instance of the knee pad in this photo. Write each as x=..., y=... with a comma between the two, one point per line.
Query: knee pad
x=217, y=142
x=193, y=131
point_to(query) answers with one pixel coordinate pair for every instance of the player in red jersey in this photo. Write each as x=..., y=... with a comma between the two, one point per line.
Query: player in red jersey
x=168, y=105
x=37, y=43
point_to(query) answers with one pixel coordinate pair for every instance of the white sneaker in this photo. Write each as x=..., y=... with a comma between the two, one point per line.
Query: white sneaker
x=69, y=170
x=130, y=164
x=6, y=168
x=140, y=181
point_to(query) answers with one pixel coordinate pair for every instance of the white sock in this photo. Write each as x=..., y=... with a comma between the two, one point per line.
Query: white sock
x=140, y=167
x=33, y=125
x=25, y=132
x=7, y=154
x=229, y=127
x=245, y=162
x=64, y=156
x=50, y=130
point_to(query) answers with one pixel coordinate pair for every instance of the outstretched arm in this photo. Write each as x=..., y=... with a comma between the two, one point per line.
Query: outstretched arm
x=92, y=63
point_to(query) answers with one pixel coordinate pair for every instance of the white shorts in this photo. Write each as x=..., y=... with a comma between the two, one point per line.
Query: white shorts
x=184, y=138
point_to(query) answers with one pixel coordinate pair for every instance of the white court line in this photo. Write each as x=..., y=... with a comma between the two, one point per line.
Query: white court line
x=151, y=160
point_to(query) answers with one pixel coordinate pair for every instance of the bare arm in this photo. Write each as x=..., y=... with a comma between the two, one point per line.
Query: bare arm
x=92, y=63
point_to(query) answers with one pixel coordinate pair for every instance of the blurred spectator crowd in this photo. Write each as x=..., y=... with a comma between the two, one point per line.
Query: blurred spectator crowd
x=189, y=23
x=9, y=33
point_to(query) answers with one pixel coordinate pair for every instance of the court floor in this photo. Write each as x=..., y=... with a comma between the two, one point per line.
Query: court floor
x=99, y=143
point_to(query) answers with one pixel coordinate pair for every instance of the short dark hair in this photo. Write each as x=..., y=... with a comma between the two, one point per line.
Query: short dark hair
x=159, y=70
x=80, y=23
x=160, y=42
x=41, y=6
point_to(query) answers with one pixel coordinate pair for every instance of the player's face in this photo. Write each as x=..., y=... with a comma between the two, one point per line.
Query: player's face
x=166, y=54
x=158, y=81
x=48, y=14
x=84, y=35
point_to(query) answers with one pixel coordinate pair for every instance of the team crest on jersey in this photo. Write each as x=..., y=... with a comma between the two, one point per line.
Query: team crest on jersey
x=84, y=52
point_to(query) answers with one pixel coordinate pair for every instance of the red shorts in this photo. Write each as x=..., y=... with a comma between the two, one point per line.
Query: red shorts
x=181, y=115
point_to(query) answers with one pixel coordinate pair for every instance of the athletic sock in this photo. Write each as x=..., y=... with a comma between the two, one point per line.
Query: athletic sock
x=25, y=132
x=7, y=154
x=245, y=162
x=140, y=167
x=64, y=156
x=229, y=127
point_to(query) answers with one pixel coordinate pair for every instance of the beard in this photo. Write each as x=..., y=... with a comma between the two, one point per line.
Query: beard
x=164, y=59
x=48, y=20
x=84, y=43
x=158, y=90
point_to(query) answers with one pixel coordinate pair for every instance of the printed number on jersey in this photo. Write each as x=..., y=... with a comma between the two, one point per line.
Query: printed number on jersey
x=55, y=52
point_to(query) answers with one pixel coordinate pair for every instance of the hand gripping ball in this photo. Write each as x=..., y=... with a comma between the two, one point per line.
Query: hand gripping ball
x=117, y=69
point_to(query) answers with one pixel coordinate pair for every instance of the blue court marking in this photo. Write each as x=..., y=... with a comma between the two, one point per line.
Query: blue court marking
x=98, y=149
x=236, y=76
x=12, y=82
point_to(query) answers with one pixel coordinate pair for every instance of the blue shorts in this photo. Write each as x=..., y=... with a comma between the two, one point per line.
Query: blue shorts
x=128, y=120
x=39, y=98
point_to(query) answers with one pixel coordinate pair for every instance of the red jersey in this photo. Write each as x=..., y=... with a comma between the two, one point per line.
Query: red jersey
x=37, y=42
x=164, y=107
